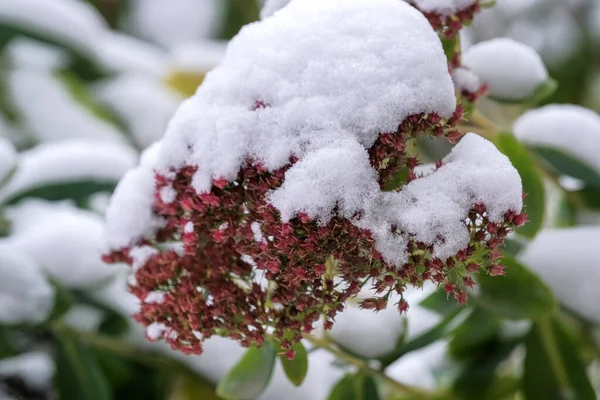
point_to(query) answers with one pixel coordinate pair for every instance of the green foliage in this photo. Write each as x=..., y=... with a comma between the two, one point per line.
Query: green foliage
x=518, y=295
x=355, y=387
x=553, y=367
x=563, y=163
x=533, y=186
x=251, y=375
x=296, y=368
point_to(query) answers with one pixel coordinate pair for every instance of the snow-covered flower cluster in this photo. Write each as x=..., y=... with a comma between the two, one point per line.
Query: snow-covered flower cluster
x=285, y=183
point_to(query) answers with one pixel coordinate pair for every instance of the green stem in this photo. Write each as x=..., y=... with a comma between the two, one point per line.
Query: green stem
x=402, y=388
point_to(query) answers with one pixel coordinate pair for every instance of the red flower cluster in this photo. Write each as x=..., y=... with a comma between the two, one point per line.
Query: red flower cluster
x=450, y=25
x=243, y=274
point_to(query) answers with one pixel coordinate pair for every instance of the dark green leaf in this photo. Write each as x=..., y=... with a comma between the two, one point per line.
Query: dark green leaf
x=83, y=62
x=439, y=331
x=250, y=376
x=187, y=388
x=541, y=93
x=297, y=368
x=479, y=379
x=520, y=294
x=79, y=375
x=553, y=369
x=438, y=302
x=63, y=301
x=480, y=327
x=355, y=387
x=77, y=191
x=533, y=185
x=564, y=163
x=345, y=389
x=590, y=197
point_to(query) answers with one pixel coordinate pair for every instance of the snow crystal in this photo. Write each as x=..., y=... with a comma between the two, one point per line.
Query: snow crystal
x=443, y=7
x=512, y=70
x=8, y=158
x=74, y=22
x=358, y=87
x=327, y=94
x=72, y=160
x=168, y=194
x=465, y=79
x=156, y=330
x=270, y=6
x=567, y=260
x=140, y=255
x=84, y=318
x=170, y=23
x=124, y=53
x=571, y=128
x=50, y=112
x=145, y=103
x=25, y=295
x=65, y=241
x=35, y=368
x=155, y=298
x=27, y=53
x=257, y=232
x=419, y=368
x=129, y=216
x=196, y=57
x=189, y=227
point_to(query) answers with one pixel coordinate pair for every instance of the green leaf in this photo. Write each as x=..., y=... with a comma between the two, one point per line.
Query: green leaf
x=250, y=376
x=590, y=197
x=187, y=388
x=533, y=185
x=79, y=375
x=63, y=301
x=479, y=378
x=83, y=61
x=345, y=389
x=355, y=387
x=77, y=191
x=478, y=328
x=563, y=163
x=297, y=368
x=553, y=369
x=439, y=331
x=541, y=93
x=520, y=294
x=438, y=302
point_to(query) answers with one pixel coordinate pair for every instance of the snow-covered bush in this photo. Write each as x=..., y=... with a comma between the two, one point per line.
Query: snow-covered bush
x=361, y=199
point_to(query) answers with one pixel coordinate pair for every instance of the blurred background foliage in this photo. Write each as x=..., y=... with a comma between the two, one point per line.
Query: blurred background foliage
x=86, y=86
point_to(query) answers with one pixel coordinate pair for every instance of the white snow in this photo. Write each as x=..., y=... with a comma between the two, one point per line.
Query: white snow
x=571, y=128
x=327, y=98
x=35, y=368
x=27, y=53
x=8, y=158
x=73, y=22
x=83, y=317
x=73, y=160
x=125, y=53
x=443, y=7
x=173, y=22
x=371, y=334
x=156, y=330
x=145, y=103
x=465, y=79
x=196, y=57
x=567, y=260
x=129, y=216
x=512, y=70
x=50, y=112
x=25, y=295
x=155, y=298
x=419, y=368
x=65, y=241
x=270, y=6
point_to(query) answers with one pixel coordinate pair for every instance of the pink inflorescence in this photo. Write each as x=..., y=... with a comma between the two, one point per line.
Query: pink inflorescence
x=450, y=25
x=240, y=272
